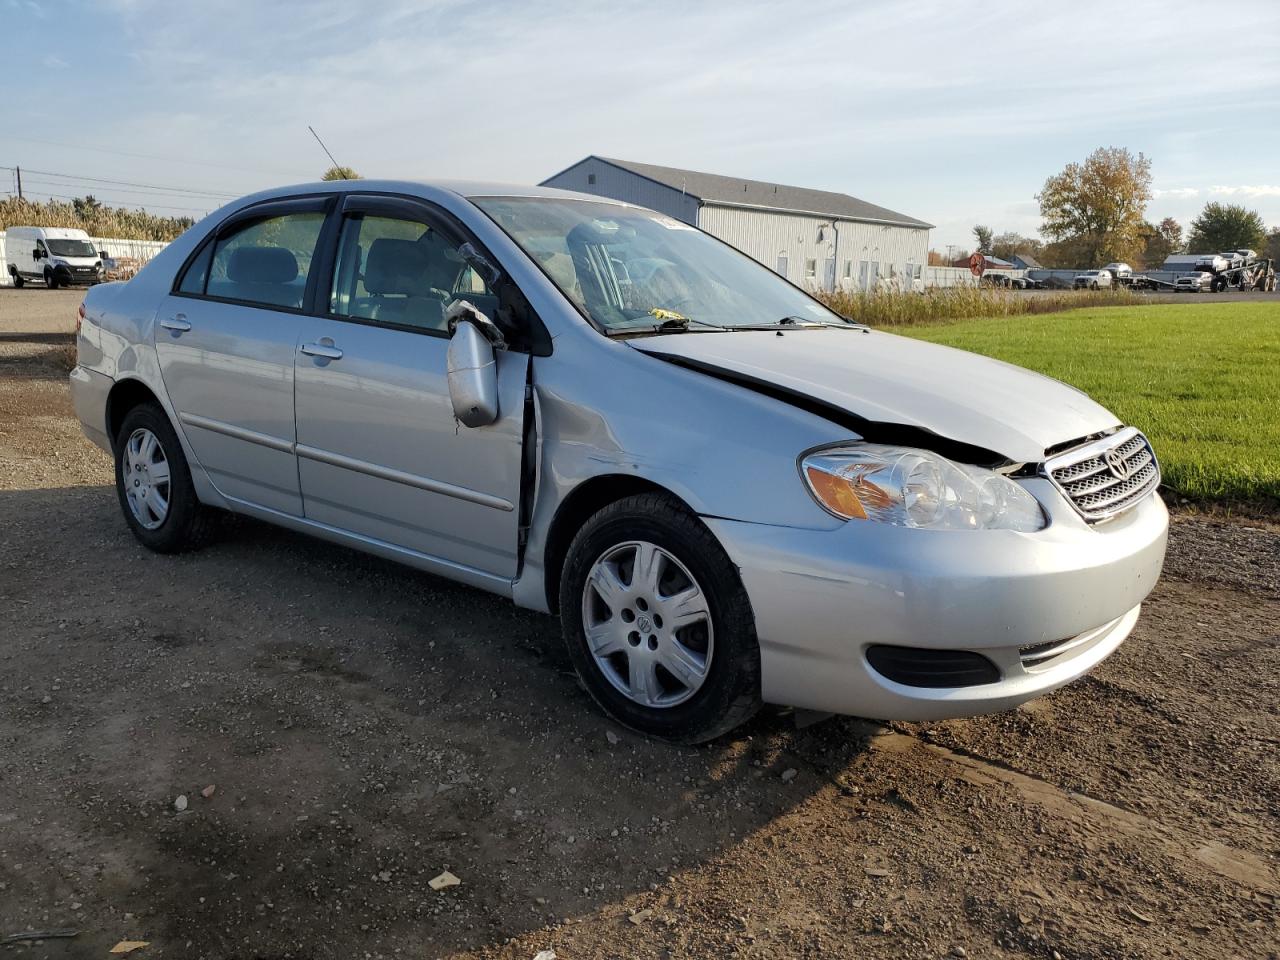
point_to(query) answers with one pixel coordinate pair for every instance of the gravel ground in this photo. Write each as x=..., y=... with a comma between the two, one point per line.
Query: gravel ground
x=360, y=728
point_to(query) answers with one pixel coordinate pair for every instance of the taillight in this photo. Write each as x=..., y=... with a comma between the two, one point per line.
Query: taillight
x=79, y=318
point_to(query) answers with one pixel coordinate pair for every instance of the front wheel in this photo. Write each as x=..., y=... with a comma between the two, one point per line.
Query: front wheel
x=657, y=622
x=50, y=281
x=154, y=485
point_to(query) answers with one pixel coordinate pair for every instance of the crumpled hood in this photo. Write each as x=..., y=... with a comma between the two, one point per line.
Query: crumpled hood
x=896, y=380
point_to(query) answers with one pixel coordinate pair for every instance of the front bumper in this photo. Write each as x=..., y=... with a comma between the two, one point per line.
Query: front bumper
x=821, y=598
x=78, y=277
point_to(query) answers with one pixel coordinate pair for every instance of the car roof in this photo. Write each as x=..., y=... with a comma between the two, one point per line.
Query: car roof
x=468, y=189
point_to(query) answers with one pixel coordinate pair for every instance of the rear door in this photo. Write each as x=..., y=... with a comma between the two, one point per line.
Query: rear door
x=380, y=453
x=226, y=338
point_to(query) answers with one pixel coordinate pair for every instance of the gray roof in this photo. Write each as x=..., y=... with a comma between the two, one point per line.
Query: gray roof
x=714, y=188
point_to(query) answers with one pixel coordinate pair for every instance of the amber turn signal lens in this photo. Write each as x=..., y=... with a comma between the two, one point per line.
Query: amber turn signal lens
x=836, y=493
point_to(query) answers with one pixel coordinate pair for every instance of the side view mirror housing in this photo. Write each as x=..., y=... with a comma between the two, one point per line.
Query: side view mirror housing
x=37, y=253
x=102, y=254
x=472, y=366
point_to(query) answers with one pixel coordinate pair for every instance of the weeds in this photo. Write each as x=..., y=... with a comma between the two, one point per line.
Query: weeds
x=943, y=304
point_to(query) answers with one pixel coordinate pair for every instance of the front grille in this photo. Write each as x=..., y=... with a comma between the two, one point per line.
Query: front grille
x=1108, y=476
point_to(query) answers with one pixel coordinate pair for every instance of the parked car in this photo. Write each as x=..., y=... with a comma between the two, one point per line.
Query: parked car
x=54, y=256
x=995, y=280
x=730, y=494
x=1092, y=279
x=1234, y=259
x=1212, y=263
x=1119, y=270
x=1193, y=282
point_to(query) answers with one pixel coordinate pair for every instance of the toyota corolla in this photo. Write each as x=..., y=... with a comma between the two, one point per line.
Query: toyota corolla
x=729, y=494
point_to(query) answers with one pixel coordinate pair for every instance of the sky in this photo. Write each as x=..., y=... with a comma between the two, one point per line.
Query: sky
x=953, y=113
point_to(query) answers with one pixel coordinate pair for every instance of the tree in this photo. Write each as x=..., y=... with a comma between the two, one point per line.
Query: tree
x=1008, y=245
x=1161, y=242
x=984, y=236
x=1097, y=206
x=86, y=206
x=1227, y=226
x=340, y=173
x=1272, y=248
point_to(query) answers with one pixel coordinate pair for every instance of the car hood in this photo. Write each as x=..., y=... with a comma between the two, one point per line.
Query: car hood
x=889, y=379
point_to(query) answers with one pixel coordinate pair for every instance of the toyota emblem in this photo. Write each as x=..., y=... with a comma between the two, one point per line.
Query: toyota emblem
x=1118, y=465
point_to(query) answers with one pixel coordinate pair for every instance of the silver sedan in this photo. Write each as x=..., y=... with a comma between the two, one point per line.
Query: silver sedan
x=728, y=493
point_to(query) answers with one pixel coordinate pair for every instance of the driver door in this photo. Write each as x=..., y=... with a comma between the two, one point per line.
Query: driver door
x=380, y=453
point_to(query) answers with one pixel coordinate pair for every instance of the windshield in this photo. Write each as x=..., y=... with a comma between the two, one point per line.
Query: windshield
x=630, y=269
x=71, y=248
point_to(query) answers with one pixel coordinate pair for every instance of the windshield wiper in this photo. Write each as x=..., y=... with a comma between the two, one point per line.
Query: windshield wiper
x=668, y=322
x=804, y=323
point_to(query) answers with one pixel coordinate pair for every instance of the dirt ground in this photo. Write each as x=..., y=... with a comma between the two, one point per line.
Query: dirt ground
x=364, y=727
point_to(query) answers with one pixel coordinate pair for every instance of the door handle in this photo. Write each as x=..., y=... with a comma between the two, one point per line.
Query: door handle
x=177, y=323
x=325, y=350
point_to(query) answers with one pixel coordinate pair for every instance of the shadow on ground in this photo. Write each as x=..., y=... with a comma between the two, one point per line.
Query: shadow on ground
x=365, y=728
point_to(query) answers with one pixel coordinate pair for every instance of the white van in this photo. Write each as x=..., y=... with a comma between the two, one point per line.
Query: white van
x=56, y=256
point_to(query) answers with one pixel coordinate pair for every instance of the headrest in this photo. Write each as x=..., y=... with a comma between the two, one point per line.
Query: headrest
x=262, y=265
x=398, y=266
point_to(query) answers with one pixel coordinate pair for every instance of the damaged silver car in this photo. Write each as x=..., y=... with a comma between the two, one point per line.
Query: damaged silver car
x=728, y=493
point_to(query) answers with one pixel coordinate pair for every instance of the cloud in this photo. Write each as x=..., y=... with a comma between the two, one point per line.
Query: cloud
x=1177, y=193
x=1261, y=190
x=54, y=63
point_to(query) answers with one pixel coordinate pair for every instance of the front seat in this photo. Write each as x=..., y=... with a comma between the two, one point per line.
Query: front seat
x=397, y=277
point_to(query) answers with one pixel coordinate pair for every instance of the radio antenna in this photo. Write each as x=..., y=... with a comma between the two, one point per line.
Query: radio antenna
x=335, y=163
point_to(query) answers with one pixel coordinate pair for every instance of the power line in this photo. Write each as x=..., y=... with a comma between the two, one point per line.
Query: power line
x=184, y=191
x=151, y=156
x=41, y=181
x=125, y=203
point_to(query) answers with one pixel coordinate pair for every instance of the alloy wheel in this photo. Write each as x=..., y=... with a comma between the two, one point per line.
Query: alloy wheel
x=647, y=624
x=145, y=475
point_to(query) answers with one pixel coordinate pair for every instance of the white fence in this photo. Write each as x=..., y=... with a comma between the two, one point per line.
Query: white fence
x=140, y=250
x=960, y=276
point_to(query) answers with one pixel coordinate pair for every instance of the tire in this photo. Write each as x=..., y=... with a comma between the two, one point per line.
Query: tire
x=1093, y=286
x=717, y=652
x=184, y=524
x=18, y=281
x=50, y=281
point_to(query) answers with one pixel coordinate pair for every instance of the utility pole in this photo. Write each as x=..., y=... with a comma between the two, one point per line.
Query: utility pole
x=19, y=172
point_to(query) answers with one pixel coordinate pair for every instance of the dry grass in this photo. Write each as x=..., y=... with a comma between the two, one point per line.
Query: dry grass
x=944, y=304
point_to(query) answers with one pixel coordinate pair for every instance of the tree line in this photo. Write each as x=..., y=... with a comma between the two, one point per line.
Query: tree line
x=1094, y=213
x=97, y=220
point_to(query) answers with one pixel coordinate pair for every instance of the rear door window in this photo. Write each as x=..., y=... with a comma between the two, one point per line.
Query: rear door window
x=266, y=261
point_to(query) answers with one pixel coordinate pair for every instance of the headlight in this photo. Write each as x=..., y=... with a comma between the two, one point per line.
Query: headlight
x=916, y=488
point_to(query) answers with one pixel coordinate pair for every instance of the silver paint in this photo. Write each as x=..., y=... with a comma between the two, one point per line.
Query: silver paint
x=378, y=461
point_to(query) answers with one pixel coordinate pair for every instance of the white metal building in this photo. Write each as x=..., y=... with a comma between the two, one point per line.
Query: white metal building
x=814, y=238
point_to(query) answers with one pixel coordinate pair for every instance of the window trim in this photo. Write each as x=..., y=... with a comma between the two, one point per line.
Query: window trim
x=323, y=203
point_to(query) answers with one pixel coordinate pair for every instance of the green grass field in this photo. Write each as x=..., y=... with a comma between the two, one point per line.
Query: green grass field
x=1202, y=380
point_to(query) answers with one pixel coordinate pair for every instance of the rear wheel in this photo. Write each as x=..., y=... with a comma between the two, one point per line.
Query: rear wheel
x=1094, y=285
x=658, y=623
x=154, y=486
x=18, y=281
